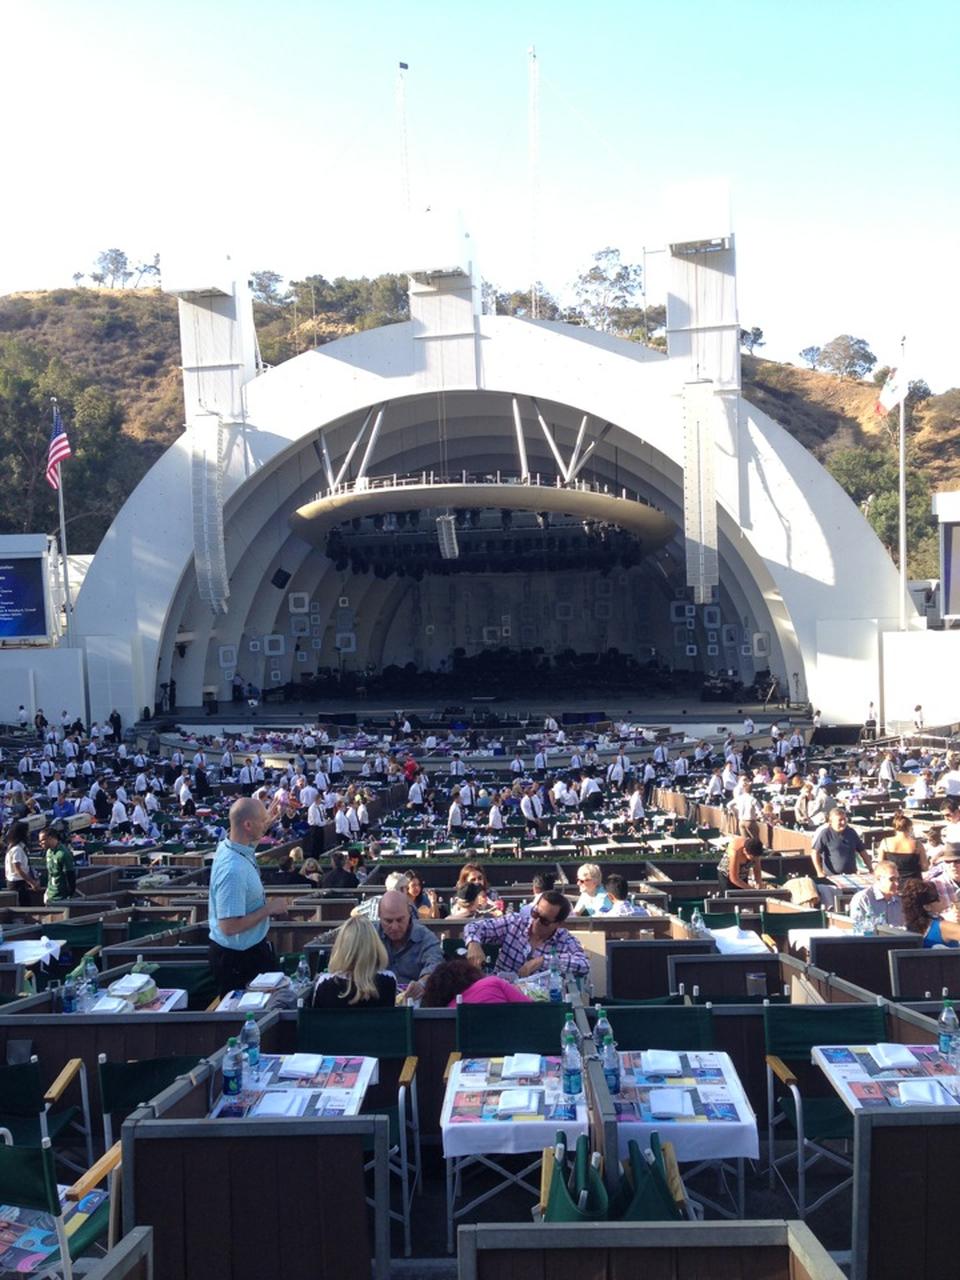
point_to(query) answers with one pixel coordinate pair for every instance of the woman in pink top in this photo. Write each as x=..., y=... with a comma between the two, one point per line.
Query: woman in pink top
x=460, y=977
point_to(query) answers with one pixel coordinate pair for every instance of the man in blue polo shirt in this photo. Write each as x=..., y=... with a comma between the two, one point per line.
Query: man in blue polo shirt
x=239, y=912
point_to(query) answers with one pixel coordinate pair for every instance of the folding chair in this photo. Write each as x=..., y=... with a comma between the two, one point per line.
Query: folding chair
x=386, y=1034
x=489, y=1030
x=26, y=1110
x=816, y=1115
x=682, y=1028
x=196, y=979
x=579, y=1196
x=775, y=925
x=28, y=1183
x=644, y=1193
x=145, y=928
x=124, y=1086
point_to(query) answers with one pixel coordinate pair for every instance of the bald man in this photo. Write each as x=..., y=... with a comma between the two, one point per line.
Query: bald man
x=239, y=912
x=412, y=949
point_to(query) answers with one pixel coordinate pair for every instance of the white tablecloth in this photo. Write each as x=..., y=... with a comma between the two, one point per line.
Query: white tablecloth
x=336, y=1088
x=861, y=1082
x=739, y=942
x=33, y=950
x=509, y=1136
x=712, y=1082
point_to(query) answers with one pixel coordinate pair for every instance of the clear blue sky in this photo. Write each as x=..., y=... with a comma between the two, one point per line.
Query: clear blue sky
x=271, y=131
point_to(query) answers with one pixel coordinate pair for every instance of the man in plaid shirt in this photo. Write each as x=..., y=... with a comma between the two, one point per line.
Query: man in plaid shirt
x=527, y=941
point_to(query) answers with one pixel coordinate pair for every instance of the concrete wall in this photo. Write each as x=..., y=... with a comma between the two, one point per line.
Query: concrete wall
x=51, y=679
x=921, y=667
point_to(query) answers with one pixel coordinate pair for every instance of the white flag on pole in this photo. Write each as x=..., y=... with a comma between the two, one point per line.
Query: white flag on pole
x=892, y=391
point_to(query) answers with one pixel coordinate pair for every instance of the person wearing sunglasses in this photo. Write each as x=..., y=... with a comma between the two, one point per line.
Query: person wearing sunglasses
x=529, y=940
x=593, y=900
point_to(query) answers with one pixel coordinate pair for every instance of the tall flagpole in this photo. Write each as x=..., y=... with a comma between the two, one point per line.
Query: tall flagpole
x=903, y=488
x=68, y=603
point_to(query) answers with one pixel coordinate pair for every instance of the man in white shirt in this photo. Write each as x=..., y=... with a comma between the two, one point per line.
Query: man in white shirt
x=86, y=805
x=591, y=796
x=415, y=796
x=649, y=782
x=530, y=812
x=728, y=778
x=119, y=821
x=949, y=782
x=455, y=817
x=681, y=767
x=457, y=768
x=748, y=812
x=516, y=766
x=635, y=809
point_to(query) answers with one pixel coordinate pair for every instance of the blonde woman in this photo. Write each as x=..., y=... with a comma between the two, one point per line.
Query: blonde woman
x=357, y=975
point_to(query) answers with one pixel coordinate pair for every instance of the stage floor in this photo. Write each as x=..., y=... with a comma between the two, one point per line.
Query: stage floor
x=694, y=717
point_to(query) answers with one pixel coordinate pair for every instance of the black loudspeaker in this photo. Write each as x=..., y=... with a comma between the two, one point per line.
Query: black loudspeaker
x=280, y=578
x=836, y=735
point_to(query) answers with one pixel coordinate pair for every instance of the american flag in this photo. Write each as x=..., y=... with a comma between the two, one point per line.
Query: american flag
x=59, y=449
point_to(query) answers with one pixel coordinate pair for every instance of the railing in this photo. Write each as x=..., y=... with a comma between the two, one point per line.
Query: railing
x=426, y=478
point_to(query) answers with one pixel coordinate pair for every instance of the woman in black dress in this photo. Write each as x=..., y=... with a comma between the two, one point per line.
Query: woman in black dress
x=357, y=976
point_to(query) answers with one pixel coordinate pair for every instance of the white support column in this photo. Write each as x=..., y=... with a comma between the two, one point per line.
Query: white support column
x=353, y=449
x=585, y=458
x=361, y=479
x=548, y=434
x=521, y=446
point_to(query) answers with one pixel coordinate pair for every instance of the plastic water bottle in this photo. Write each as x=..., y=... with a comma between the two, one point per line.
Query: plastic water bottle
x=611, y=1064
x=554, y=981
x=69, y=996
x=303, y=976
x=569, y=1029
x=232, y=1069
x=250, y=1044
x=91, y=977
x=696, y=923
x=602, y=1027
x=948, y=1029
x=571, y=1070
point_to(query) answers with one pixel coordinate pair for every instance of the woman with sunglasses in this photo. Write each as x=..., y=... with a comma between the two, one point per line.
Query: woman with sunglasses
x=593, y=900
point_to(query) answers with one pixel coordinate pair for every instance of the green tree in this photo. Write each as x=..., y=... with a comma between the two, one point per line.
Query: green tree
x=605, y=289
x=917, y=392
x=871, y=478
x=848, y=357
x=113, y=267
x=266, y=286
x=518, y=303
x=147, y=269
x=751, y=338
x=811, y=356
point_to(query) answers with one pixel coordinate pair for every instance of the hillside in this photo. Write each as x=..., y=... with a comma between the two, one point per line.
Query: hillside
x=111, y=357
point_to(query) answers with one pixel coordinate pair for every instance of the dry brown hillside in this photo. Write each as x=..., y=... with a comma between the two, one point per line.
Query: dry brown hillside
x=827, y=414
